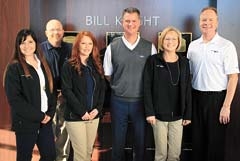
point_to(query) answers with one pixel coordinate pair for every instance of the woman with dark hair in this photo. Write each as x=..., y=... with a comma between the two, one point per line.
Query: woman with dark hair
x=83, y=86
x=29, y=88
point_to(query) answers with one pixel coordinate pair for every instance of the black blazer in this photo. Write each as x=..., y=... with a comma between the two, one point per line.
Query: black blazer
x=74, y=90
x=152, y=86
x=24, y=97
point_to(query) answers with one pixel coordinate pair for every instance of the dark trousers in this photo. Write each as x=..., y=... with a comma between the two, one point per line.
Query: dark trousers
x=121, y=113
x=43, y=138
x=62, y=141
x=208, y=133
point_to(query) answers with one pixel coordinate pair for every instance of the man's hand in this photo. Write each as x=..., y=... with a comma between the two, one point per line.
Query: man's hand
x=224, y=116
x=186, y=122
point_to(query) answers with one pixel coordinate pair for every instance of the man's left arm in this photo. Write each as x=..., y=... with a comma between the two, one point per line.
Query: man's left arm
x=224, y=116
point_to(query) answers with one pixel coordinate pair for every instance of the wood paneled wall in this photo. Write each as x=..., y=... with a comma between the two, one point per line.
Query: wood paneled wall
x=14, y=15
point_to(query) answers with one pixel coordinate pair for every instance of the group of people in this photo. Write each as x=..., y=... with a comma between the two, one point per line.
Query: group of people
x=165, y=89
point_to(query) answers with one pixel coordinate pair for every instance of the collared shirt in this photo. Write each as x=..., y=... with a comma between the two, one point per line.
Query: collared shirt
x=90, y=85
x=211, y=63
x=44, y=98
x=56, y=57
x=107, y=64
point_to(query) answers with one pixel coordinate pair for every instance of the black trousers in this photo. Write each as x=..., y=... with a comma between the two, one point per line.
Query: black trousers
x=43, y=138
x=208, y=134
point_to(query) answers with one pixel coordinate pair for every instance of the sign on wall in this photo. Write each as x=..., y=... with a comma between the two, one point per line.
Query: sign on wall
x=105, y=16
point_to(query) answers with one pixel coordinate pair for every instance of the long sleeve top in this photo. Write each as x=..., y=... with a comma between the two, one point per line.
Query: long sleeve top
x=24, y=97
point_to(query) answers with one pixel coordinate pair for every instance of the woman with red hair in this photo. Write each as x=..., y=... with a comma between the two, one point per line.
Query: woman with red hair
x=83, y=86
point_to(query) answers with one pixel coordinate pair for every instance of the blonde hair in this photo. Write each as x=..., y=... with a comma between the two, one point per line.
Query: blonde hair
x=164, y=33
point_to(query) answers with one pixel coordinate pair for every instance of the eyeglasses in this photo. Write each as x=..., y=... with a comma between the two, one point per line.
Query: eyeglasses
x=171, y=39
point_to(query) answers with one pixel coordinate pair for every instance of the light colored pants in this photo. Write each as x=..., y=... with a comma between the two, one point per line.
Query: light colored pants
x=168, y=140
x=82, y=135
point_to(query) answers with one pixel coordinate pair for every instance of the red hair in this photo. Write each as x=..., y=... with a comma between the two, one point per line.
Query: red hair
x=75, y=59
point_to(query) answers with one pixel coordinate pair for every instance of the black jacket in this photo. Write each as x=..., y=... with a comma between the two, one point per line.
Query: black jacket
x=24, y=97
x=74, y=90
x=152, y=87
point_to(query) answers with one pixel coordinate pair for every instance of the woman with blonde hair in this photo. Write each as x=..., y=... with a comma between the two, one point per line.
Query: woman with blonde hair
x=167, y=95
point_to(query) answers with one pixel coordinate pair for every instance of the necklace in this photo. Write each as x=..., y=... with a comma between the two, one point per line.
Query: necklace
x=170, y=74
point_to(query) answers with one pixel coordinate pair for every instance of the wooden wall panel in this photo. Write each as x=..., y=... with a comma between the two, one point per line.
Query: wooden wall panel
x=14, y=15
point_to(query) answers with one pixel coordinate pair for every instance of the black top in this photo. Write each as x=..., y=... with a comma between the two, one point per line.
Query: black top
x=75, y=91
x=170, y=91
x=24, y=97
x=165, y=97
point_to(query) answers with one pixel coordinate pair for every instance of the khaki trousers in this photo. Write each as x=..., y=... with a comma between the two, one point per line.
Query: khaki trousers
x=82, y=135
x=168, y=140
